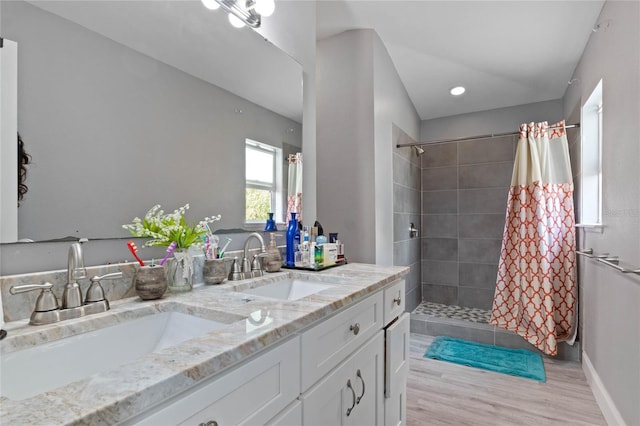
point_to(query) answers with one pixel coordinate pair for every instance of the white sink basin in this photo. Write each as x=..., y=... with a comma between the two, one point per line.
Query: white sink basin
x=290, y=289
x=32, y=371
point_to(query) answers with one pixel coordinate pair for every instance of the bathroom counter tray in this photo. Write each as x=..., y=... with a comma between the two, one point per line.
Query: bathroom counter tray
x=313, y=268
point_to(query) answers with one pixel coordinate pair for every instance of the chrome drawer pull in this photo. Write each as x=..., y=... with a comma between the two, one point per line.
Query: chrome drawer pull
x=398, y=300
x=355, y=328
x=209, y=423
x=353, y=394
x=363, y=386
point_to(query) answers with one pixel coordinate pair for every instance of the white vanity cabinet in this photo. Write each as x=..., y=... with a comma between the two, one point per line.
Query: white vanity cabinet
x=251, y=394
x=396, y=329
x=348, y=369
x=333, y=340
x=352, y=393
x=362, y=376
x=396, y=371
x=393, y=301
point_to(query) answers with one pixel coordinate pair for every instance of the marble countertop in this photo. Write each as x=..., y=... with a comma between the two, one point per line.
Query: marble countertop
x=115, y=395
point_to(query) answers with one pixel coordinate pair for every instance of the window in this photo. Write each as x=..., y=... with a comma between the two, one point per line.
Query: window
x=263, y=175
x=590, y=212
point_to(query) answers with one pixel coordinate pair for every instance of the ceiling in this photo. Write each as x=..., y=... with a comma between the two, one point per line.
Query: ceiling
x=505, y=53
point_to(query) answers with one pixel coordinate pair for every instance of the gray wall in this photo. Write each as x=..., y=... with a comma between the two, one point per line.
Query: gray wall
x=360, y=97
x=345, y=154
x=23, y=258
x=492, y=121
x=293, y=29
x=392, y=108
x=610, y=301
x=464, y=200
x=98, y=117
x=406, y=210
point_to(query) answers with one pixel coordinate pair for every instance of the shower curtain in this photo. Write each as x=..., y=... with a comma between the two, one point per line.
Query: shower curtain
x=294, y=190
x=535, y=293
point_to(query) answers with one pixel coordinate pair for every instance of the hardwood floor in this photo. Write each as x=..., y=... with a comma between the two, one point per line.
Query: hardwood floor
x=442, y=393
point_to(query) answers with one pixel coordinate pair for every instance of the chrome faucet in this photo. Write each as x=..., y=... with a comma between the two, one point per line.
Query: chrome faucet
x=72, y=296
x=47, y=309
x=254, y=269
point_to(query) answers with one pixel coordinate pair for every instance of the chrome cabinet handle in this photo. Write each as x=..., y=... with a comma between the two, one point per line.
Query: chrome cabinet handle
x=358, y=374
x=355, y=328
x=397, y=300
x=209, y=423
x=353, y=394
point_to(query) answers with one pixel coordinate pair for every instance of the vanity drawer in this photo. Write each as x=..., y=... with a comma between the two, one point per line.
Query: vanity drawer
x=327, y=344
x=393, y=301
x=257, y=390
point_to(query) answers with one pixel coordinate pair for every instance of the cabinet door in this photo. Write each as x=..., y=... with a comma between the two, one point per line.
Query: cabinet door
x=393, y=301
x=327, y=402
x=396, y=370
x=290, y=416
x=368, y=383
x=333, y=340
x=248, y=395
x=334, y=400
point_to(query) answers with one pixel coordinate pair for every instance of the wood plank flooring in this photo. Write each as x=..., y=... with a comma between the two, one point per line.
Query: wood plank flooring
x=442, y=393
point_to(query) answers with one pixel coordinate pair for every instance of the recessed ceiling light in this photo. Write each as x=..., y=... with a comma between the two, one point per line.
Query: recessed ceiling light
x=457, y=91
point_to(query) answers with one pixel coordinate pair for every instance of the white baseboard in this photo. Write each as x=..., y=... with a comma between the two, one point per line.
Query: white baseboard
x=608, y=408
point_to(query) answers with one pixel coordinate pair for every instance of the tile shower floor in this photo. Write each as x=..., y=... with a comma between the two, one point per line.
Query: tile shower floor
x=436, y=319
x=451, y=311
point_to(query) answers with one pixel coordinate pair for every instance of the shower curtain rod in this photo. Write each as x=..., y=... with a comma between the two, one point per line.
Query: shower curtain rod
x=473, y=138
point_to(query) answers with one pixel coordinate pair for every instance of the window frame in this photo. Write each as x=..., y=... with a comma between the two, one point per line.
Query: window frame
x=276, y=187
x=591, y=140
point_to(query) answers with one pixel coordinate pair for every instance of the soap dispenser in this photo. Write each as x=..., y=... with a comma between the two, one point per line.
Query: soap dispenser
x=273, y=262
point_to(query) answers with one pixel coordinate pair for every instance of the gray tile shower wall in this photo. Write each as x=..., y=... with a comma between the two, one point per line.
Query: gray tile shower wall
x=464, y=198
x=406, y=210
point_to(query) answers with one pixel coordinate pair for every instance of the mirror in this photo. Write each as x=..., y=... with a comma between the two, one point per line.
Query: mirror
x=135, y=103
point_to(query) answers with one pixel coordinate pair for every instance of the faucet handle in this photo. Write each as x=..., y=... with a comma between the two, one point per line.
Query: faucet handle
x=45, y=302
x=256, y=266
x=235, y=273
x=95, y=292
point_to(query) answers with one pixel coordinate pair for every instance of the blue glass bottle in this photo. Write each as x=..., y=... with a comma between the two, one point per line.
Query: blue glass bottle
x=292, y=230
x=271, y=224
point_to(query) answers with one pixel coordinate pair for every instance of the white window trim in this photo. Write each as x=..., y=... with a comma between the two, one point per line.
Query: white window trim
x=591, y=123
x=276, y=187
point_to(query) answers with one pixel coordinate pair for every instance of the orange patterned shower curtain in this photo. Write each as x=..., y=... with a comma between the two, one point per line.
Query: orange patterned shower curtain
x=536, y=285
x=294, y=190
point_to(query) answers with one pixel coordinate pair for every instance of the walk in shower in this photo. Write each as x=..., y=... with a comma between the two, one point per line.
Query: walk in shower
x=463, y=189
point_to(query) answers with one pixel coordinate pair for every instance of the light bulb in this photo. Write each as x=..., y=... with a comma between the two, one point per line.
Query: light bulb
x=211, y=4
x=457, y=91
x=265, y=7
x=235, y=21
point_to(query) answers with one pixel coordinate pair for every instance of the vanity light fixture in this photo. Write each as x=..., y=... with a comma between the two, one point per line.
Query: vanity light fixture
x=235, y=21
x=457, y=91
x=243, y=12
x=211, y=4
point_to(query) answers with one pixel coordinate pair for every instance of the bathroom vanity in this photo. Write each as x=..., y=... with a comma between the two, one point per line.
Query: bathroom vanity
x=326, y=348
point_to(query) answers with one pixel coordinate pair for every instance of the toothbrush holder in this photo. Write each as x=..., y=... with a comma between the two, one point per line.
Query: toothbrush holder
x=150, y=282
x=215, y=271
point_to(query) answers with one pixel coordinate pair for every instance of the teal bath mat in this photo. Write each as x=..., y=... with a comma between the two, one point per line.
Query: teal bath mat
x=516, y=362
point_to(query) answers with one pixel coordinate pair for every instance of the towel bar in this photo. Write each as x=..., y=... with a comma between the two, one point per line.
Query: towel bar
x=612, y=261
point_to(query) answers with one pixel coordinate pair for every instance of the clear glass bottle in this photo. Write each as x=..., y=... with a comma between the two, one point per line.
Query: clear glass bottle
x=273, y=262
